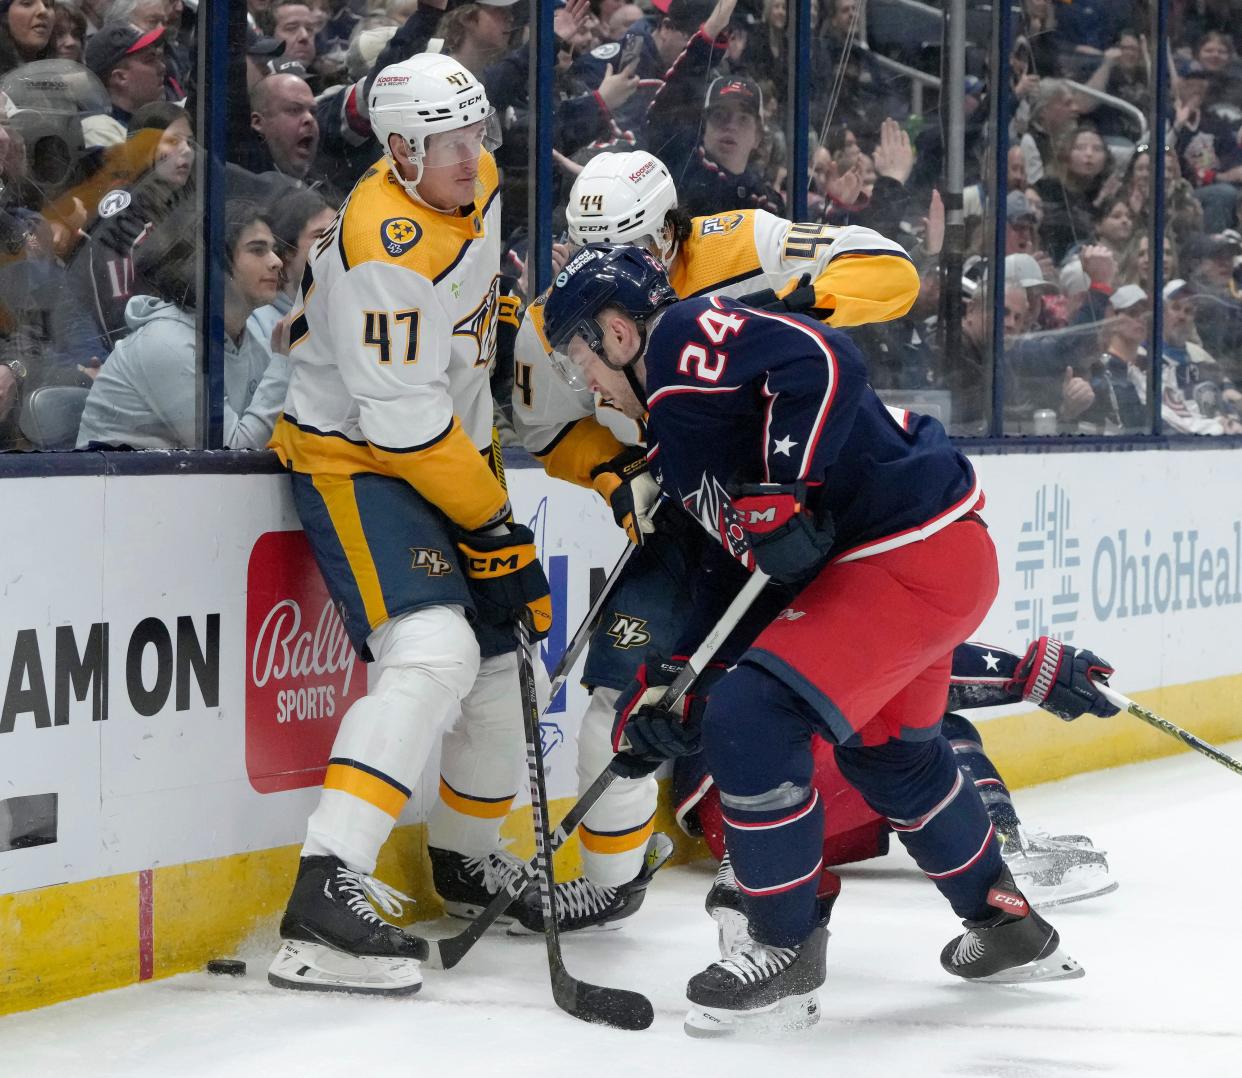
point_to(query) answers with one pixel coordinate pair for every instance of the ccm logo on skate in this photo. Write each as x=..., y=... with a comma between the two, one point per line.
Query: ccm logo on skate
x=301, y=675
x=1007, y=900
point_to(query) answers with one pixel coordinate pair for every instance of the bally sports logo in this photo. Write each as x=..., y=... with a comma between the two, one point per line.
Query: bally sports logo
x=301, y=671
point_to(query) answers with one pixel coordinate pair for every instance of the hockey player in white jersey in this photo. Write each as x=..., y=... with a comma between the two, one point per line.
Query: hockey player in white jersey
x=846, y=276
x=388, y=435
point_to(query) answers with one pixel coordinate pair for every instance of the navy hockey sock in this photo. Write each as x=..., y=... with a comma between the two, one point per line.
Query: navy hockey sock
x=967, y=745
x=758, y=747
x=935, y=811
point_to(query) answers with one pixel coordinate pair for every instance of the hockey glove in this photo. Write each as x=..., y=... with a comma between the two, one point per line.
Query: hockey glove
x=630, y=491
x=787, y=541
x=800, y=300
x=506, y=578
x=1060, y=679
x=644, y=734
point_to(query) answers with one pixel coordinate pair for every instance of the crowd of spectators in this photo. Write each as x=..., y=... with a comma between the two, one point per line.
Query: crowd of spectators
x=99, y=201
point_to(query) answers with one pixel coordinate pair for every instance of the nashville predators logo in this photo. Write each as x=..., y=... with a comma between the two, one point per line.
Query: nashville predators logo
x=399, y=234
x=480, y=325
x=430, y=561
x=722, y=225
x=629, y=632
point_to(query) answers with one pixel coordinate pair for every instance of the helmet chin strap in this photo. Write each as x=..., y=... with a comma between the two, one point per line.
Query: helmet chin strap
x=411, y=186
x=640, y=391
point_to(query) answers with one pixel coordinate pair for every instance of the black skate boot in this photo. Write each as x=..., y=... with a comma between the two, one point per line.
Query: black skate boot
x=1052, y=870
x=581, y=904
x=760, y=988
x=468, y=884
x=335, y=942
x=1014, y=946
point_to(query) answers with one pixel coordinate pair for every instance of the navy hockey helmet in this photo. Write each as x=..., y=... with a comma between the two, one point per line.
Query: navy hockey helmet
x=603, y=275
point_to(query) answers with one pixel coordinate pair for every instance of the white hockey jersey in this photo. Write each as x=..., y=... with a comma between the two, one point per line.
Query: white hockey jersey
x=392, y=345
x=857, y=274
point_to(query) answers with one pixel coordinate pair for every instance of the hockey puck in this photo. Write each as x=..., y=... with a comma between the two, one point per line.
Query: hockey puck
x=227, y=967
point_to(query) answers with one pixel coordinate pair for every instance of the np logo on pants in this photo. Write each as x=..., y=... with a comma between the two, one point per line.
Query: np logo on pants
x=629, y=632
x=430, y=560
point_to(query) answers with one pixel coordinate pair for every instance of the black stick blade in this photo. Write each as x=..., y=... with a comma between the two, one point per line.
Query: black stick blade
x=616, y=1007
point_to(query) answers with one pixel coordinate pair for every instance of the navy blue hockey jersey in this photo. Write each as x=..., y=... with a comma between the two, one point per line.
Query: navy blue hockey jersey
x=741, y=395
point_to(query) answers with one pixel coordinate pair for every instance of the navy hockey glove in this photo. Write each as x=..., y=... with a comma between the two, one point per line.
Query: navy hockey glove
x=630, y=491
x=800, y=300
x=1059, y=678
x=787, y=541
x=506, y=578
x=644, y=734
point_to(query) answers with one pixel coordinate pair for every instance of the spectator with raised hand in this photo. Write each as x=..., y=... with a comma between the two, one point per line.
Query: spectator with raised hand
x=1123, y=74
x=145, y=397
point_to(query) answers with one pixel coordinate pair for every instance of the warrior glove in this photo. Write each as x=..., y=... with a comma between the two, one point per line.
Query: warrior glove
x=506, y=578
x=1061, y=679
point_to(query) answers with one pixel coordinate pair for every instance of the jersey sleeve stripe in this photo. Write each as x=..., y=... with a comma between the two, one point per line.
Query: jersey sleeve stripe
x=716, y=286
x=453, y=265
x=672, y=391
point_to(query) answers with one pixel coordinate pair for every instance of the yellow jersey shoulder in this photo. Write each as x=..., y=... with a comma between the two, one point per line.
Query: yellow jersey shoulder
x=720, y=249
x=381, y=223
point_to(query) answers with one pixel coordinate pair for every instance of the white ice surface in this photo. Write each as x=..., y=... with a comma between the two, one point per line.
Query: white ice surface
x=1161, y=995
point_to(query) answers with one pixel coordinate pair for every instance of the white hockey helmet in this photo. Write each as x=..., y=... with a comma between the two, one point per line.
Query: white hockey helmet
x=623, y=198
x=424, y=95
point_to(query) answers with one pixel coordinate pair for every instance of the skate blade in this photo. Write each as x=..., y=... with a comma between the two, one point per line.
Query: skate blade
x=1058, y=966
x=468, y=911
x=1076, y=885
x=784, y=1016
x=732, y=929
x=516, y=928
x=316, y=967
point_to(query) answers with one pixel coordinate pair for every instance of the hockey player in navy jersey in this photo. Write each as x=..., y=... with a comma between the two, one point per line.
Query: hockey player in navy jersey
x=762, y=427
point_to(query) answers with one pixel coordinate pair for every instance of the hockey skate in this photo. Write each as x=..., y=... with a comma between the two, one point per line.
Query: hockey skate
x=582, y=905
x=335, y=942
x=468, y=884
x=760, y=989
x=1014, y=946
x=724, y=906
x=1052, y=870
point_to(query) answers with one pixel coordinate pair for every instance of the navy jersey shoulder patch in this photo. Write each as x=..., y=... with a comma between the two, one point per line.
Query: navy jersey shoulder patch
x=606, y=51
x=399, y=234
x=114, y=202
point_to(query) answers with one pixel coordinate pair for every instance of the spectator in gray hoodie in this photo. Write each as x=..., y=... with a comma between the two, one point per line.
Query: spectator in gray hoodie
x=145, y=395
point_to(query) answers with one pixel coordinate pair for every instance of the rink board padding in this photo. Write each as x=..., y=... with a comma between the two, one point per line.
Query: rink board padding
x=73, y=939
x=172, y=687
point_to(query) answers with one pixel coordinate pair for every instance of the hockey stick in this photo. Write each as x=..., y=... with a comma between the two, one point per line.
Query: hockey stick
x=616, y=1007
x=1172, y=729
x=593, y=617
x=446, y=953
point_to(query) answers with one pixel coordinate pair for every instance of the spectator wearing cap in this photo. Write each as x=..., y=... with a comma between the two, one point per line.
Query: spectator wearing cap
x=25, y=32
x=260, y=52
x=1021, y=225
x=718, y=175
x=1118, y=376
x=1208, y=264
x=130, y=64
x=1196, y=389
x=148, y=15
